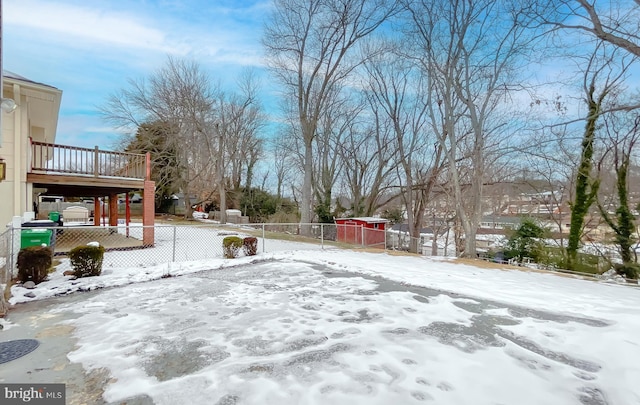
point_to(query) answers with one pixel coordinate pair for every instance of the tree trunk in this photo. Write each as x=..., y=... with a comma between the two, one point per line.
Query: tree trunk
x=223, y=204
x=307, y=188
x=586, y=190
x=220, y=169
x=475, y=216
x=623, y=227
x=418, y=219
x=446, y=240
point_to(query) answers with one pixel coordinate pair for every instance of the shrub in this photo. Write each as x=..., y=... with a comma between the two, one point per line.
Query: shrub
x=250, y=245
x=231, y=245
x=526, y=241
x=585, y=263
x=86, y=260
x=258, y=204
x=34, y=263
x=628, y=270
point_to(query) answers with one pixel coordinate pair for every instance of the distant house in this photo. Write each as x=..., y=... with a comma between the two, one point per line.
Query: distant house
x=500, y=222
x=178, y=206
x=426, y=231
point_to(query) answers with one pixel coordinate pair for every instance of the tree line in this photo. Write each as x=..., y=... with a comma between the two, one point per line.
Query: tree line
x=419, y=104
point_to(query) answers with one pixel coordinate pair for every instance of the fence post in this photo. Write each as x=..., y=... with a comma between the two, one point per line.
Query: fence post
x=263, y=248
x=385, y=238
x=322, y=236
x=9, y=264
x=173, y=258
x=362, y=235
x=16, y=224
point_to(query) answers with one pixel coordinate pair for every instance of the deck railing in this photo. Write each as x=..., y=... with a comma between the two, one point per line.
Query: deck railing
x=49, y=158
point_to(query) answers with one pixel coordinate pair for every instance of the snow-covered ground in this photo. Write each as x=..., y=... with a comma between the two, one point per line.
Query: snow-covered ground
x=345, y=327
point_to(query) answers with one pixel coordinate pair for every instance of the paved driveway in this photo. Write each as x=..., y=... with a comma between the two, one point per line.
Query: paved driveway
x=295, y=333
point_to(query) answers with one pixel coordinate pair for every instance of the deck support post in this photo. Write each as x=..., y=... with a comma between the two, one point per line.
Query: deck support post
x=113, y=209
x=148, y=213
x=97, y=211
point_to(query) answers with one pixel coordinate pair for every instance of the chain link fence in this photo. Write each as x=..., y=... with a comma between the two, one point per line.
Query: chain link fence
x=6, y=259
x=125, y=248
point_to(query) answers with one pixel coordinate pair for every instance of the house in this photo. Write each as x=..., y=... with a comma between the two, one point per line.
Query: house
x=36, y=165
x=35, y=116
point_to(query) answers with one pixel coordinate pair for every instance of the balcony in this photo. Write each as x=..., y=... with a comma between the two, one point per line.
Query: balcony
x=79, y=171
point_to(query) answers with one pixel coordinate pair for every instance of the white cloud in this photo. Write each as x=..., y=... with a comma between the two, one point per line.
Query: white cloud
x=87, y=25
x=92, y=47
x=92, y=28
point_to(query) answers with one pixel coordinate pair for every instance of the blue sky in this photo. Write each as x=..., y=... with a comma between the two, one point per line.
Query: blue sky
x=89, y=48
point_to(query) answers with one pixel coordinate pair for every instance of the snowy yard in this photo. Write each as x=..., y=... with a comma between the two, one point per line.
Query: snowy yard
x=341, y=327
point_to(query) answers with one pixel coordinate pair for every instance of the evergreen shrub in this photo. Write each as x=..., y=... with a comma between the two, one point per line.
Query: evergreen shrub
x=628, y=270
x=231, y=246
x=86, y=260
x=34, y=263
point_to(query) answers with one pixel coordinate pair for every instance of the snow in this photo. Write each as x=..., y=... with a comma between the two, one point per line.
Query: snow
x=370, y=220
x=200, y=215
x=321, y=326
x=611, y=276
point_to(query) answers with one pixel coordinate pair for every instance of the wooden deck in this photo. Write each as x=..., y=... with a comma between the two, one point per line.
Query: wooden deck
x=70, y=170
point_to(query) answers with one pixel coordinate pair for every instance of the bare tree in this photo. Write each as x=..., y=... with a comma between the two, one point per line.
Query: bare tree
x=238, y=121
x=180, y=95
x=397, y=94
x=553, y=165
x=369, y=155
x=470, y=52
x=283, y=162
x=622, y=135
x=248, y=123
x=335, y=122
x=614, y=22
x=213, y=135
x=604, y=74
x=310, y=46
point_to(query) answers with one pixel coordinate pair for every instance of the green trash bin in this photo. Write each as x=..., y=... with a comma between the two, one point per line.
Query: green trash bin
x=35, y=237
x=54, y=216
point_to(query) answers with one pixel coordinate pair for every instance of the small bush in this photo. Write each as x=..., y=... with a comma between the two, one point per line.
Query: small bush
x=86, y=260
x=585, y=263
x=628, y=270
x=34, y=263
x=250, y=246
x=231, y=246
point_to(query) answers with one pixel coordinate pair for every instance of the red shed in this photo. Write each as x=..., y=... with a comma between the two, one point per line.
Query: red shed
x=366, y=231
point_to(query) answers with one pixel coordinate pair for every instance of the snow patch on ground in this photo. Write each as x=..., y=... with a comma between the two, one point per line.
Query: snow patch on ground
x=306, y=332
x=323, y=326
